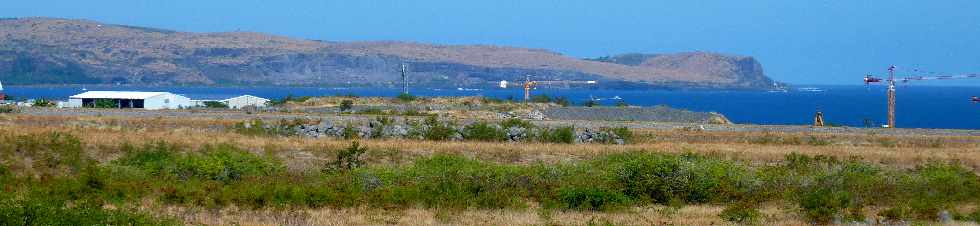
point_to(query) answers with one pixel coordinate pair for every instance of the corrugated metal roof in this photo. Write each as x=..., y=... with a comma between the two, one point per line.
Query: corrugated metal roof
x=116, y=95
x=246, y=96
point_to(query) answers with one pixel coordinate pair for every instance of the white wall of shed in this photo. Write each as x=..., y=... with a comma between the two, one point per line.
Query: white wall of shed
x=74, y=103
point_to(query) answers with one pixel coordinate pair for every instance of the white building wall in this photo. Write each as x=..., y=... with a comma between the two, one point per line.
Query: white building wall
x=156, y=103
x=180, y=102
x=74, y=103
x=167, y=101
x=245, y=101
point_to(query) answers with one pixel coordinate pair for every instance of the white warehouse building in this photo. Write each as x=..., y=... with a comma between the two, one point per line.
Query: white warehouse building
x=127, y=99
x=245, y=101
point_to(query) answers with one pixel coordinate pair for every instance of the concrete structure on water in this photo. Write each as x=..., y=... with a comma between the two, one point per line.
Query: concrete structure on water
x=126, y=99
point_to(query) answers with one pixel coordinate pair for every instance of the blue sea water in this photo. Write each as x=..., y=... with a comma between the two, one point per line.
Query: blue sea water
x=857, y=106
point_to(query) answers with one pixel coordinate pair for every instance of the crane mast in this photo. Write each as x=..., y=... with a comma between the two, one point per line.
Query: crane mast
x=891, y=97
x=891, y=87
x=529, y=85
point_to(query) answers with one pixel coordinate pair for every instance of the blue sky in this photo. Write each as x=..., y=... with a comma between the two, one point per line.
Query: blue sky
x=804, y=42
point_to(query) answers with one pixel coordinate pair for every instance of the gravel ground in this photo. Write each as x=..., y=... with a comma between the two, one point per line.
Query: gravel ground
x=240, y=115
x=655, y=114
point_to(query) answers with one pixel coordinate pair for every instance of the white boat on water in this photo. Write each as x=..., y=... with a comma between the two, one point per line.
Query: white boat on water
x=810, y=89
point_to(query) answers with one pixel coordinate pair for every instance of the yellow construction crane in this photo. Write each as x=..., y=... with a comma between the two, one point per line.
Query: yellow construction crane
x=529, y=85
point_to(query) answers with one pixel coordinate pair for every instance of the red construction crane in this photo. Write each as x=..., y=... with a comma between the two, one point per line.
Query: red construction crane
x=869, y=79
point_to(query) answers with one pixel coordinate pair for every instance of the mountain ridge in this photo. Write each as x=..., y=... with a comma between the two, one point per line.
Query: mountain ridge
x=64, y=51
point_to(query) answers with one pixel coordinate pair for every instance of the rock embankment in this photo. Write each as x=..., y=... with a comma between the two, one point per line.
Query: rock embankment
x=653, y=114
x=508, y=131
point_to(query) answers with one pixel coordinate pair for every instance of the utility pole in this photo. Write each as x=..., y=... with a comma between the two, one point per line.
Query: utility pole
x=891, y=96
x=404, y=79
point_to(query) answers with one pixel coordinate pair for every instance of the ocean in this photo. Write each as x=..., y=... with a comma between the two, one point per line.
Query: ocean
x=856, y=106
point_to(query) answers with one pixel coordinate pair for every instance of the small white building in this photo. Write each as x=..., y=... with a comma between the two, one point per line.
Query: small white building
x=245, y=101
x=127, y=99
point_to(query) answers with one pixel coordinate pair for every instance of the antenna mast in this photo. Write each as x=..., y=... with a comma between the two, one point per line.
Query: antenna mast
x=404, y=79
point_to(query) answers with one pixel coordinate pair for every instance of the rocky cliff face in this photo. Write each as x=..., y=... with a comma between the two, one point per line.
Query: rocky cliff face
x=58, y=51
x=736, y=71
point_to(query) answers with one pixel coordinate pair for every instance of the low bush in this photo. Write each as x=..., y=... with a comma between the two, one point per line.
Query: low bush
x=594, y=199
x=434, y=129
x=483, y=131
x=6, y=109
x=346, y=105
x=213, y=176
x=43, y=103
x=349, y=158
x=221, y=162
x=33, y=210
x=563, y=135
x=741, y=213
x=405, y=97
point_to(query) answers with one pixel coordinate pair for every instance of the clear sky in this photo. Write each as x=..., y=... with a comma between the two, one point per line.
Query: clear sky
x=803, y=42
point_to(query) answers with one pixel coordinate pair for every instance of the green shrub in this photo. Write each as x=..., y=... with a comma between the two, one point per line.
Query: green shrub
x=483, y=131
x=405, y=97
x=936, y=186
x=821, y=205
x=595, y=199
x=50, y=154
x=349, y=132
x=623, y=133
x=43, y=103
x=47, y=211
x=563, y=135
x=664, y=179
x=740, y=213
x=348, y=158
x=346, y=105
x=454, y=182
x=433, y=129
x=815, y=141
x=6, y=109
x=896, y=213
x=224, y=163
x=156, y=158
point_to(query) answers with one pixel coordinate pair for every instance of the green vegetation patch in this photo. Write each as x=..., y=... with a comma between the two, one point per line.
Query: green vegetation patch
x=822, y=189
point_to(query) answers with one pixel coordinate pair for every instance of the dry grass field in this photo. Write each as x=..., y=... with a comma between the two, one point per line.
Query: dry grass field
x=106, y=136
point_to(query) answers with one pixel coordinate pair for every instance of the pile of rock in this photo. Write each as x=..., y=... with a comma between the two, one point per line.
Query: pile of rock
x=533, y=115
x=589, y=135
x=375, y=129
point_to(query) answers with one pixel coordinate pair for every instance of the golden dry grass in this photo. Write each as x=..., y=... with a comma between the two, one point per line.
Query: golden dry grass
x=649, y=215
x=105, y=135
